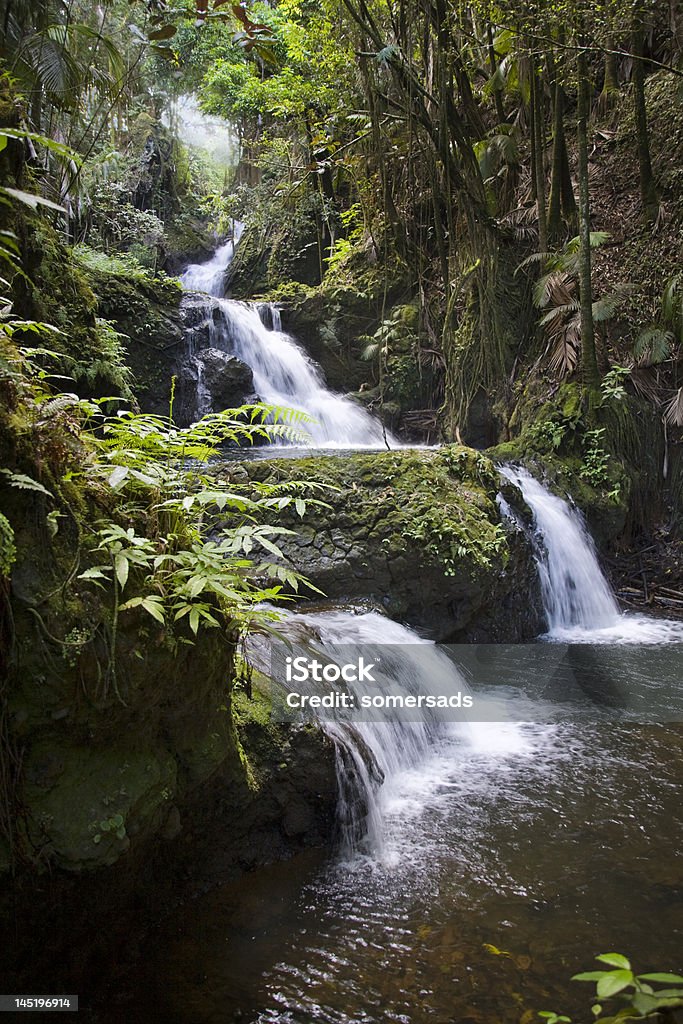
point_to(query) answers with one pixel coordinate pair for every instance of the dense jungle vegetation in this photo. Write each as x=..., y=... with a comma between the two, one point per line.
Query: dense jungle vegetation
x=492, y=194
x=470, y=213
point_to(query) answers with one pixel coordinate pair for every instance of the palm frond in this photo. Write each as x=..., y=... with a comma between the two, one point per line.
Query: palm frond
x=646, y=383
x=536, y=257
x=672, y=302
x=565, y=346
x=606, y=306
x=597, y=238
x=559, y=313
x=557, y=288
x=673, y=410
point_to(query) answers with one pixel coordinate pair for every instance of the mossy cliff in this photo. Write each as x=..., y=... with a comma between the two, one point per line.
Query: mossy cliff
x=178, y=781
x=130, y=762
x=418, y=531
x=120, y=328
x=145, y=310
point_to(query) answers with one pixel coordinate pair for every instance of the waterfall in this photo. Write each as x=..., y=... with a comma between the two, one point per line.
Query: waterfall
x=578, y=601
x=209, y=277
x=574, y=589
x=284, y=375
x=388, y=762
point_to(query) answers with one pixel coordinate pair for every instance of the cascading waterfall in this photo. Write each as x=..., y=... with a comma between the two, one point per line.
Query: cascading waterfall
x=387, y=764
x=577, y=598
x=209, y=276
x=575, y=591
x=284, y=376
x=390, y=767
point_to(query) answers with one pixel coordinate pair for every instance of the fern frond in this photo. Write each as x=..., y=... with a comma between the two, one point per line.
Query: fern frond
x=653, y=345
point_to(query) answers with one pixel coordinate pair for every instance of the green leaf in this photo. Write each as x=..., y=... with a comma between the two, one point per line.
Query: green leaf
x=29, y=199
x=24, y=483
x=663, y=976
x=121, y=566
x=165, y=32
x=644, y=1003
x=613, y=982
x=300, y=506
x=92, y=574
x=614, y=960
x=117, y=476
x=589, y=976
x=154, y=608
x=58, y=148
x=196, y=585
x=194, y=620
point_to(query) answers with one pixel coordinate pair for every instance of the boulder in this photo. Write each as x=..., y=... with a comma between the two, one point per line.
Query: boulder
x=210, y=381
x=420, y=533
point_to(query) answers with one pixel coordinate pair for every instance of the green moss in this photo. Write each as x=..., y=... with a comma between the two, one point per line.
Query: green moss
x=262, y=741
x=443, y=501
x=75, y=793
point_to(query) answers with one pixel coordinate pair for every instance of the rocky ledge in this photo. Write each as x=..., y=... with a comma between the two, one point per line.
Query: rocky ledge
x=418, y=531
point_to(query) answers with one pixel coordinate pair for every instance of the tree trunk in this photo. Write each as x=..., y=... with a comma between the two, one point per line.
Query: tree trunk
x=562, y=204
x=538, y=121
x=591, y=377
x=559, y=154
x=497, y=93
x=610, y=82
x=648, y=192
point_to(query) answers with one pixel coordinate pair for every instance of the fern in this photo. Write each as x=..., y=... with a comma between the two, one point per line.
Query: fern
x=23, y=482
x=653, y=345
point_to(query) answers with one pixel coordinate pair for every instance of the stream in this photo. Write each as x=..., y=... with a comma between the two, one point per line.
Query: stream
x=498, y=857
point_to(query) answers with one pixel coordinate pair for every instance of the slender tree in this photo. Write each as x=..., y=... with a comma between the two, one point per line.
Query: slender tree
x=648, y=190
x=589, y=361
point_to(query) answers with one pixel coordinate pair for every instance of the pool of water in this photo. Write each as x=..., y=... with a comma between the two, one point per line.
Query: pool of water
x=550, y=844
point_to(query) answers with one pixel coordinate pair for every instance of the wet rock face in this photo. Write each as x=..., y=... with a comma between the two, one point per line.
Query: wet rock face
x=199, y=315
x=211, y=381
x=420, y=533
x=225, y=378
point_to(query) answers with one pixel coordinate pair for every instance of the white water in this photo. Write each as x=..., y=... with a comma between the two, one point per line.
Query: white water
x=209, y=277
x=397, y=764
x=284, y=376
x=577, y=598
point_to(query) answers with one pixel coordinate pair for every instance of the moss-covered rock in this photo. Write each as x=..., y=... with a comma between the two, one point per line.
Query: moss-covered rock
x=87, y=804
x=418, y=531
x=145, y=310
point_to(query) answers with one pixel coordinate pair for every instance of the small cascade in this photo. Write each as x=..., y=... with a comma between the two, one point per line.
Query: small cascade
x=209, y=277
x=385, y=762
x=577, y=598
x=283, y=374
x=574, y=589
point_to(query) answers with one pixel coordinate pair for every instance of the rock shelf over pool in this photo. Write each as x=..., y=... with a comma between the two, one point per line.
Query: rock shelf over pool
x=418, y=531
